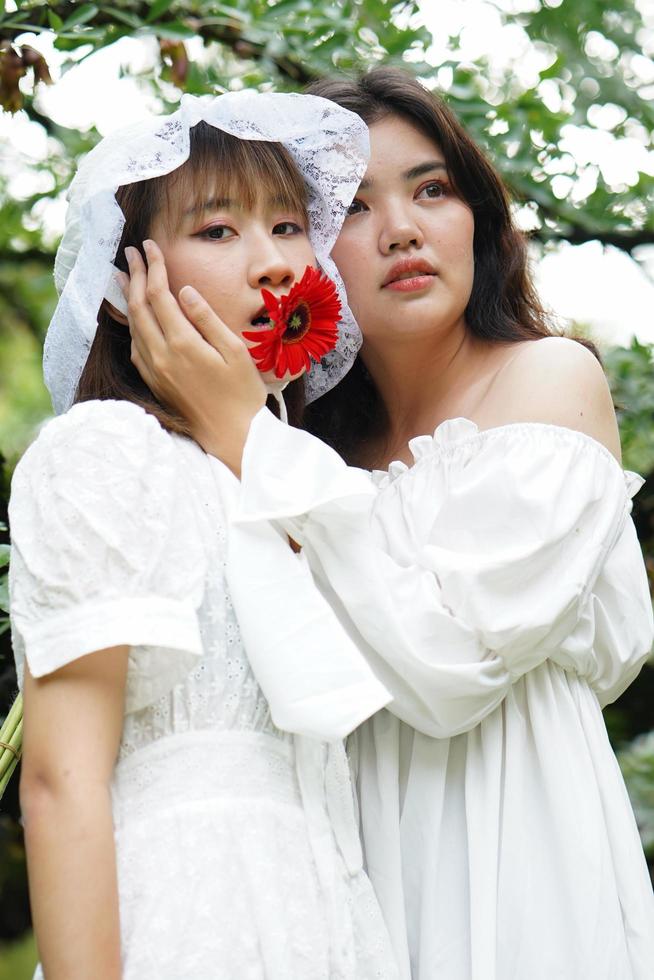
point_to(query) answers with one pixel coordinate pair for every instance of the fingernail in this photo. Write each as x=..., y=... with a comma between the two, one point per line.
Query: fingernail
x=189, y=295
x=147, y=244
x=129, y=254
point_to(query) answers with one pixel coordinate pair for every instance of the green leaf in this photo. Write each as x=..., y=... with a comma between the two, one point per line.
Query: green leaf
x=23, y=27
x=175, y=30
x=82, y=15
x=55, y=21
x=4, y=594
x=5, y=551
x=158, y=8
x=76, y=39
x=124, y=17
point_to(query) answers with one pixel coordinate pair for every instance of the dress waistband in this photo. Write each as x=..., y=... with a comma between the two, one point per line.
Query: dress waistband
x=237, y=765
x=201, y=765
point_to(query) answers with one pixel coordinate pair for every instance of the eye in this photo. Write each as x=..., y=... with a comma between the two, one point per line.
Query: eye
x=433, y=190
x=288, y=228
x=216, y=233
x=356, y=207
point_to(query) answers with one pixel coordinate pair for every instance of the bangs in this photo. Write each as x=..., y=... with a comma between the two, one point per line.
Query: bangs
x=221, y=166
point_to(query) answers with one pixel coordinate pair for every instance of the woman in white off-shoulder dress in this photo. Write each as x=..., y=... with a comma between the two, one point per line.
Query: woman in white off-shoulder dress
x=216, y=845
x=491, y=570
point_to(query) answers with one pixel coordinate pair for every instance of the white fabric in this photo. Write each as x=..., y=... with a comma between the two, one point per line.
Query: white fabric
x=329, y=145
x=501, y=589
x=236, y=842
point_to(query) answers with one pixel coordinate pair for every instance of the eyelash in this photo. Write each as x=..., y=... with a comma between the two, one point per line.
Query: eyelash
x=206, y=232
x=297, y=229
x=435, y=183
x=432, y=183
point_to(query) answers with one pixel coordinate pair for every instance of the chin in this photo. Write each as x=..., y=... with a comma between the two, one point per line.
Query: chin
x=405, y=328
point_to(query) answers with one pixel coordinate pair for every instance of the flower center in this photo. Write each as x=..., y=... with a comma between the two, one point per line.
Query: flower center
x=298, y=323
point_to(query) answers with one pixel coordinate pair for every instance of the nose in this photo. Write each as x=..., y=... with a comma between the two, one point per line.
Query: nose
x=399, y=229
x=269, y=266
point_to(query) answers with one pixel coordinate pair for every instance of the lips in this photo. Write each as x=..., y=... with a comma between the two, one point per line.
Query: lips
x=408, y=269
x=260, y=318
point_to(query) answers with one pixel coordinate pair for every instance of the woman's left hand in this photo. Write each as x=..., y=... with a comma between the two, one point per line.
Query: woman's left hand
x=190, y=359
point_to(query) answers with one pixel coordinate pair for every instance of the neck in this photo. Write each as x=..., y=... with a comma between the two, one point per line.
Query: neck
x=418, y=378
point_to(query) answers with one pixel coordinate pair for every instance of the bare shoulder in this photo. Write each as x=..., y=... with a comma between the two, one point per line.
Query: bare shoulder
x=557, y=381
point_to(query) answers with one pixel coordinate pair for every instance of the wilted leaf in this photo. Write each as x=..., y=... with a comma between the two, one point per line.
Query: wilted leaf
x=35, y=60
x=12, y=70
x=174, y=54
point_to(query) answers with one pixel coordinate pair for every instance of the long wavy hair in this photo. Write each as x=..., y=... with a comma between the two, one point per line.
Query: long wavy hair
x=219, y=165
x=503, y=305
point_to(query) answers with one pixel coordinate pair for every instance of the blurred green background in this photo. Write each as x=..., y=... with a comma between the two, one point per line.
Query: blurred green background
x=591, y=68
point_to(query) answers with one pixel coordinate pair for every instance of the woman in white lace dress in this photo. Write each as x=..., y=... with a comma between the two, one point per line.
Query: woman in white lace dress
x=173, y=829
x=492, y=568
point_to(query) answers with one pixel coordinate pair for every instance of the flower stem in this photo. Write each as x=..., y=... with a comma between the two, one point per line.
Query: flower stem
x=7, y=776
x=11, y=733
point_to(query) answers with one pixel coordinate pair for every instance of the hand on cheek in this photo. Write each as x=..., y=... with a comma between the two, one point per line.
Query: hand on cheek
x=190, y=359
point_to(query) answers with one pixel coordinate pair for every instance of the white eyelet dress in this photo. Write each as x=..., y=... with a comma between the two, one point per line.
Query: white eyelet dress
x=501, y=590
x=236, y=842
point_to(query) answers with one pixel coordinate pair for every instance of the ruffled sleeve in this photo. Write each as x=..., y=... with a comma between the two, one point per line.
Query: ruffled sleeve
x=104, y=551
x=491, y=554
x=316, y=681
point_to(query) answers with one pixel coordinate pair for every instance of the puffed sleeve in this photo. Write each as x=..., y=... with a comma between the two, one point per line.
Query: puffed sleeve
x=484, y=559
x=104, y=551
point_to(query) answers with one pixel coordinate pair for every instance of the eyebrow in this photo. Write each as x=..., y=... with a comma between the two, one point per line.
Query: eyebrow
x=215, y=204
x=422, y=168
x=229, y=203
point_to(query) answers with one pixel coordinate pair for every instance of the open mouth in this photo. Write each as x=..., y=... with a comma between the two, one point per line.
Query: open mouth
x=261, y=320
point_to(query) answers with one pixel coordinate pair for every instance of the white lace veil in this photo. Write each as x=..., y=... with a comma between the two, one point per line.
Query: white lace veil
x=329, y=145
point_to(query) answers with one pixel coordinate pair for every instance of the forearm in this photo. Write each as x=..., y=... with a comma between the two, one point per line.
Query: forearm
x=72, y=877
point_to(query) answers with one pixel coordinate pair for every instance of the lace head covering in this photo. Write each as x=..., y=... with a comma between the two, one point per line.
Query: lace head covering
x=329, y=146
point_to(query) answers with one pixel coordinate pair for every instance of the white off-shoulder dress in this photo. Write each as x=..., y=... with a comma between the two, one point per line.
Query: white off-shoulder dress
x=501, y=590
x=237, y=846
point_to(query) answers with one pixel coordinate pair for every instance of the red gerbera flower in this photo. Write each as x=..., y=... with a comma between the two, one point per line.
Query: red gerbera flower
x=303, y=326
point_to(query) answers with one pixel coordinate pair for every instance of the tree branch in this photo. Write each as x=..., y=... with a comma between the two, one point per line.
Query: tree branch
x=230, y=35
x=578, y=235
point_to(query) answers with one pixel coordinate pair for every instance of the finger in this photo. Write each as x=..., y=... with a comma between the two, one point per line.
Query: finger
x=142, y=366
x=141, y=353
x=208, y=324
x=142, y=321
x=137, y=276
x=172, y=321
x=137, y=301
x=149, y=366
x=123, y=281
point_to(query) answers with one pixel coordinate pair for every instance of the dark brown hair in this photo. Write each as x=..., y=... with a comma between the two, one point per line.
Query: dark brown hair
x=503, y=305
x=219, y=166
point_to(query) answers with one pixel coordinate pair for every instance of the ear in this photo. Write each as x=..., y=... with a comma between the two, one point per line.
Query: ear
x=114, y=313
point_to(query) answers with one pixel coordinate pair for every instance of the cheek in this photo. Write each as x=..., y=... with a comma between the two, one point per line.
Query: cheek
x=346, y=253
x=351, y=261
x=178, y=268
x=464, y=235
x=198, y=268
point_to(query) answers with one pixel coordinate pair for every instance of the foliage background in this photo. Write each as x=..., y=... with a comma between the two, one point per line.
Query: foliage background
x=592, y=68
